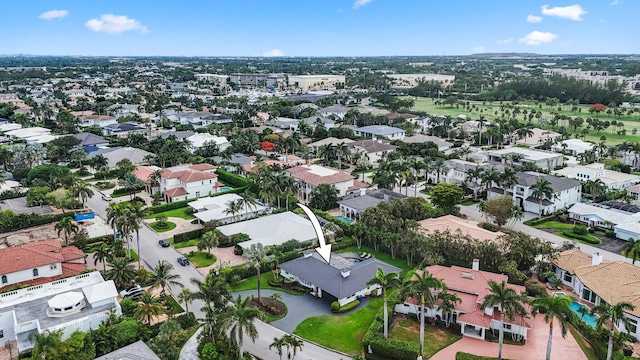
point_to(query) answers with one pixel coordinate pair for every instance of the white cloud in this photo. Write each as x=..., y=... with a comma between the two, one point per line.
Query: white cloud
x=572, y=12
x=505, y=41
x=53, y=14
x=115, y=24
x=616, y=2
x=538, y=37
x=534, y=19
x=274, y=52
x=478, y=49
x=360, y=3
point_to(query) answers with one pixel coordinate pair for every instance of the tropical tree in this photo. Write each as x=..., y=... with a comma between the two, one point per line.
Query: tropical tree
x=421, y=285
x=278, y=343
x=45, y=344
x=248, y=200
x=208, y=241
x=292, y=342
x=323, y=197
x=67, y=226
x=186, y=297
x=239, y=319
x=473, y=175
x=448, y=302
x=163, y=276
x=131, y=183
x=135, y=214
x=385, y=281
x=102, y=254
x=149, y=307
x=255, y=255
x=631, y=249
x=214, y=291
x=234, y=207
x=506, y=300
x=82, y=191
x=553, y=307
x=542, y=190
x=612, y=315
x=120, y=272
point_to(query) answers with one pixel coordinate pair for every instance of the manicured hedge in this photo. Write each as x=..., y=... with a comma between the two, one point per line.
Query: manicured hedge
x=120, y=191
x=586, y=238
x=244, y=272
x=10, y=221
x=393, y=349
x=466, y=356
x=169, y=206
x=189, y=235
x=538, y=221
x=232, y=179
x=336, y=308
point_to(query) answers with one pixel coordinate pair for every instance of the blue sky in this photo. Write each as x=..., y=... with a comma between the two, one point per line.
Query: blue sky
x=317, y=27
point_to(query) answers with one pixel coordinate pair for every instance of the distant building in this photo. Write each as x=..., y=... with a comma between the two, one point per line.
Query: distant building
x=374, y=131
x=420, y=139
x=614, y=180
x=188, y=181
x=122, y=129
x=357, y=202
x=215, y=208
x=310, y=176
x=412, y=80
x=317, y=82
x=116, y=154
x=546, y=160
x=573, y=147
x=220, y=80
x=199, y=140
x=96, y=120
x=257, y=80
x=372, y=149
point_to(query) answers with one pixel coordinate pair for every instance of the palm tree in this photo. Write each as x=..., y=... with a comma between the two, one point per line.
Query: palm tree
x=135, y=214
x=209, y=240
x=385, y=282
x=234, y=207
x=46, y=344
x=163, y=276
x=420, y=284
x=553, y=307
x=247, y=200
x=474, y=175
x=82, y=191
x=278, y=343
x=342, y=151
x=507, y=179
x=102, y=254
x=524, y=132
x=542, y=190
x=238, y=319
x=154, y=180
x=149, y=307
x=448, y=302
x=507, y=301
x=489, y=177
x=116, y=216
x=131, y=183
x=185, y=296
x=121, y=273
x=632, y=248
x=68, y=227
x=614, y=315
x=439, y=167
x=255, y=255
x=214, y=291
x=292, y=341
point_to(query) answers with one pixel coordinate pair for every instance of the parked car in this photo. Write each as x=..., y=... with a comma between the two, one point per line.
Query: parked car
x=183, y=261
x=106, y=197
x=136, y=295
x=164, y=243
x=130, y=290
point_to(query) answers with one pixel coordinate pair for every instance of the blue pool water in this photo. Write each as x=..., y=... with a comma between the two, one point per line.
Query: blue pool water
x=225, y=188
x=589, y=319
x=345, y=219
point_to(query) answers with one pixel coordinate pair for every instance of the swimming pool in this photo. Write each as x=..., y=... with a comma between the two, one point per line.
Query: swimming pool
x=588, y=318
x=225, y=188
x=345, y=219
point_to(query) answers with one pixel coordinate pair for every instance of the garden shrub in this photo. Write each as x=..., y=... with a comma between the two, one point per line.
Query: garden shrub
x=580, y=229
x=127, y=331
x=586, y=238
x=186, y=320
x=128, y=307
x=489, y=226
x=534, y=289
x=170, y=206
x=394, y=349
x=120, y=191
x=189, y=235
x=346, y=307
x=466, y=356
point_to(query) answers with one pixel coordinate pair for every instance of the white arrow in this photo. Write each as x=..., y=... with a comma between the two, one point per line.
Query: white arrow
x=325, y=249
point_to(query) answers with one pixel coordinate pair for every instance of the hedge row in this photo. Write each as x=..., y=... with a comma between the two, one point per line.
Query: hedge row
x=169, y=206
x=243, y=272
x=346, y=228
x=336, y=308
x=10, y=221
x=586, y=238
x=390, y=349
x=538, y=221
x=189, y=235
x=236, y=181
x=466, y=356
x=121, y=191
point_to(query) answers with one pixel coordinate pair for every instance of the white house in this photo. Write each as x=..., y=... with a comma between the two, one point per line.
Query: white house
x=546, y=160
x=614, y=180
x=39, y=262
x=343, y=279
x=625, y=225
x=573, y=147
x=199, y=118
x=471, y=286
x=199, y=140
x=122, y=129
x=419, y=138
x=78, y=303
x=326, y=122
x=216, y=208
x=357, y=202
x=182, y=182
x=96, y=120
x=338, y=111
x=375, y=131
x=597, y=281
x=328, y=141
x=373, y=149
x=566, y=192
x=312, y=175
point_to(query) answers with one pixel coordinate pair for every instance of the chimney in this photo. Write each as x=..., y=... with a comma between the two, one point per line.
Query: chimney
x=363, y=191
x=308, y=254
x=596, y=259
x=476, y=265
x=345, y=272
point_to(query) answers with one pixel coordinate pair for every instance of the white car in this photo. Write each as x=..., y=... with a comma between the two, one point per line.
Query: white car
x=106, y=197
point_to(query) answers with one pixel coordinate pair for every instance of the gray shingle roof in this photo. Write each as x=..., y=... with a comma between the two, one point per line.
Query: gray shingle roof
x=557, y=183
x=371, y=199
x=328, y=277
x=89, y=139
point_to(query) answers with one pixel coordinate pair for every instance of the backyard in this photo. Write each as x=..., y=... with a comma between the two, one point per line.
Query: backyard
x=436, y=338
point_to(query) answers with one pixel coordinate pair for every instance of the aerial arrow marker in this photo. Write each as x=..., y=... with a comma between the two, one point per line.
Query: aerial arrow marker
x=325, y=249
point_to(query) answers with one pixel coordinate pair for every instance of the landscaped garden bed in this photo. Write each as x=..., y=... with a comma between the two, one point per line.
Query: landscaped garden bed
x=274, y=309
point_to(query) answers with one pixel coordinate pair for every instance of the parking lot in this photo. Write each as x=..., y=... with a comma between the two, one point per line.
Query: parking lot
x=19, y=206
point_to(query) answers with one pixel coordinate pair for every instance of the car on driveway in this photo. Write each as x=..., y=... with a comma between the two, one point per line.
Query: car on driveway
x=106, y=197
x=183, y=261
x=127, y=292
x=164, y=243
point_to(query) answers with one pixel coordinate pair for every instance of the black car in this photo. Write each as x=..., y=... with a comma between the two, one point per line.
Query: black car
x=183, y=261
x=164, y=243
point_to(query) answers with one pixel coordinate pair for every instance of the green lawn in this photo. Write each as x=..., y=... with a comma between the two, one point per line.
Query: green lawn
x=201, y=258
x=584, y=345
x=113, y=196
x=467, y=202
x=435, y=339
x=554, y=225
x=170, y=226
x=251, y=283
x=179, y=213
x=596, y=241
x=400, y=262
x=343, y=333
x=184, y=244
x=133, y=255
x=170, y=301
x=269, y=318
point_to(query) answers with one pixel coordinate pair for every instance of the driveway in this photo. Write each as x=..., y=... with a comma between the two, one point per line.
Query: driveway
x=535, y=347
x=19, y=206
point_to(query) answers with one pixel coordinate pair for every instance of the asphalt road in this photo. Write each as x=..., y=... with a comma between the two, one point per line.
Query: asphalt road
x=151, y=252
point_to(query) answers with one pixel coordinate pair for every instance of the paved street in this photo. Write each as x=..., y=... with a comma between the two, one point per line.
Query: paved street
x=151, y=252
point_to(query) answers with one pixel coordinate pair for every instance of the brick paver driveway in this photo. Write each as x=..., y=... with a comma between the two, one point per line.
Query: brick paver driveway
x=534, y=349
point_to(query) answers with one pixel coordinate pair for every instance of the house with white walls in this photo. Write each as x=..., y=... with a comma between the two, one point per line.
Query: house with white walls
x=546, y=160
x=199, y=140
x=187, y=181
x=471, y=286
x=598, y=281
x=78, y=303
x=614, y=180
x=372, y=149
x=216, y=208
x=357, y=202
x=376, y=131
x=625, y=225
x=312, y=175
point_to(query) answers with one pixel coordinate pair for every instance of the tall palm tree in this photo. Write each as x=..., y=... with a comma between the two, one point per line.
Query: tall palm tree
x=342, y=152
x=121, y=273
x=448, y=302
x=214, y=291
x=82, y=191
x=439, y=167
x=154, y=180
x=632, y=248
x=163, y=276
x=255, y=255
x=507, y=178
x=135, y=214
x=553, y=307
x=385, y=281
x=488, y=177
x=131, y=183
x=185, y=296
x=239, y=319
x=292, y=341
x=102, y=254
x=542, y=190
x=234, y=207
x=473, y=175
x=116, y=216
x=613, y=315
x=67, y=226
x=278, y=343
x=209, y=240
x=421, y=285
x=507, y=301
x=149, y=307
x=248, y=200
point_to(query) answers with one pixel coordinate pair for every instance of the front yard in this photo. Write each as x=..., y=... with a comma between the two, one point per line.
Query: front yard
x=178, y=213
x=436, y=338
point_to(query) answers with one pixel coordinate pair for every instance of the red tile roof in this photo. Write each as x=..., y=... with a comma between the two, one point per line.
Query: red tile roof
x=468, y=280
x=325, y=175
x=358, y=185
x=28, y=256
x=72, y=253
x=175, y=192
x=202, y=167
x=143, y=172
x=72, y=269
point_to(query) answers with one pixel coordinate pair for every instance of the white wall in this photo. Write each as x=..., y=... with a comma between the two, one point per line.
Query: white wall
x=26, y=275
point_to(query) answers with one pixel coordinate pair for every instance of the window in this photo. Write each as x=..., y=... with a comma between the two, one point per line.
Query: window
x=4, y=279
x=567, y=277
x=633, y=326
x=507, y=326
x=35, y=272
x=588, y=295
x=1, y=333
x=53, y=266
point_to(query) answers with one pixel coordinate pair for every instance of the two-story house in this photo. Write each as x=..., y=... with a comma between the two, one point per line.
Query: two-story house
x=310, y=176
x=39, y=262
x=122, y=129
x=566, y=192
x=373, y=149
x=546, y=160
x=614, y=180
x=338, y=111
x=455, y=171
x=96, y=120
x=188, y=181
x=376, y=131
x=199, y=140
